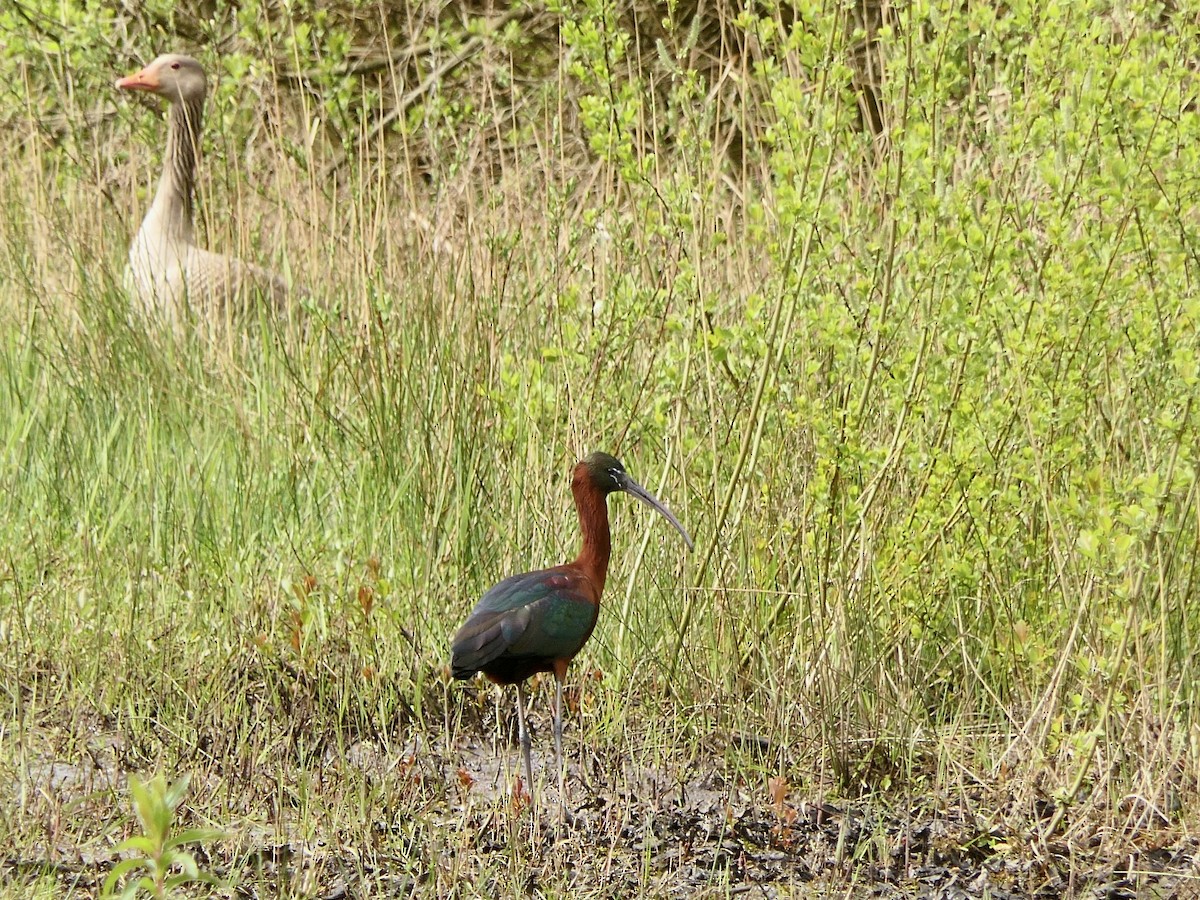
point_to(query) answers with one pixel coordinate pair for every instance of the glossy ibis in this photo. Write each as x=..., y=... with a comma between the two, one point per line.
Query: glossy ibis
x=539, y=621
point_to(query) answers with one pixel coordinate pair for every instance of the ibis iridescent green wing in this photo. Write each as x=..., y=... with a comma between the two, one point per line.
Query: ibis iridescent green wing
x=525, y=623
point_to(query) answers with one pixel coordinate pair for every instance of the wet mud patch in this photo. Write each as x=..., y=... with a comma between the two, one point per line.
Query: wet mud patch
x=447, y=820
x=617, y=847
x=707, y=841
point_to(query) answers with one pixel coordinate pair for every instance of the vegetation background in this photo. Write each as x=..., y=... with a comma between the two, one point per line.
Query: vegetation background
x=894, y=304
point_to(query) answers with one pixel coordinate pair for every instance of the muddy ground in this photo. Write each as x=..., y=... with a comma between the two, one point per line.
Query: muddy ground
x=452, y=825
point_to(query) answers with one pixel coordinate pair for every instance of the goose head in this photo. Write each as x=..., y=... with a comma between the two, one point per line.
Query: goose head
x=178, y=78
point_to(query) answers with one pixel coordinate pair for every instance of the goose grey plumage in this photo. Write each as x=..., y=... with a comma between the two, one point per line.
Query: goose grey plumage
x=167, y=273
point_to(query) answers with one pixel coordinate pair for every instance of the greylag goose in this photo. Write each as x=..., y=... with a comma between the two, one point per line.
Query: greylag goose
x=168, y=273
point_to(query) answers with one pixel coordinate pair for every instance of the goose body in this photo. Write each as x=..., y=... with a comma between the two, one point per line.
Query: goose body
x=168, y=275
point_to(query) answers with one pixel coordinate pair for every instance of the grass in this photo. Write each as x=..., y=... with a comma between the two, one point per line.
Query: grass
x=925, y=402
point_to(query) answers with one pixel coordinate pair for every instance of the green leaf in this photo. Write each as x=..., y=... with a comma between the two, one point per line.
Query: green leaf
x=185, y=861
x=119, y=870
x=175, y=793
x=144, y=883
x=139, y=843
x=195, y=836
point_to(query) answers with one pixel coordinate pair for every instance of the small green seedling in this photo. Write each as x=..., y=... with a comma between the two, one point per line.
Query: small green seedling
x=165, y=864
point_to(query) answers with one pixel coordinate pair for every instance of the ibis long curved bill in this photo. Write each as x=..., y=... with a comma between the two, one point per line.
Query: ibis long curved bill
x=629, y=486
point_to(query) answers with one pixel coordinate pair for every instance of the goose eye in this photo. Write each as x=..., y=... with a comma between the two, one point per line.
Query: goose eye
x=174, y=65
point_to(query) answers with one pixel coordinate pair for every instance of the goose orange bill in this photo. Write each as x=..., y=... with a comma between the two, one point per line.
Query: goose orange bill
x=145, y=80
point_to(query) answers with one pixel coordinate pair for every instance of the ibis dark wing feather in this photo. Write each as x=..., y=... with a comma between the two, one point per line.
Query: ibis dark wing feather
x=524, y=623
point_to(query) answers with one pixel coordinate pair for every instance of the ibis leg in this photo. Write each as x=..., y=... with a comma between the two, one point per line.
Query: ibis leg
x=558, y=750
x=523, y=734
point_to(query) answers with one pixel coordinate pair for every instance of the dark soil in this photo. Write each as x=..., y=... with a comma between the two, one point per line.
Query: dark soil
x=705, y=838
x=443, y=819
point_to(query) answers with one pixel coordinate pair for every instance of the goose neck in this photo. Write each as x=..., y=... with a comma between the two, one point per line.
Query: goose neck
x=173, y=204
